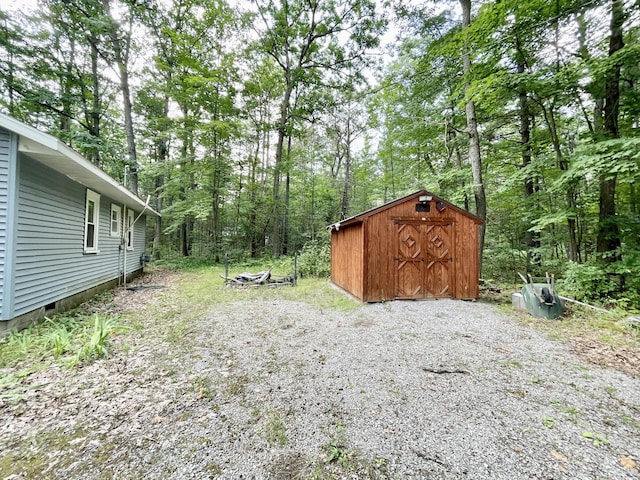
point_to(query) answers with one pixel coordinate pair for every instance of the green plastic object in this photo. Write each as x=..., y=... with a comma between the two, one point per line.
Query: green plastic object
x=544, y=302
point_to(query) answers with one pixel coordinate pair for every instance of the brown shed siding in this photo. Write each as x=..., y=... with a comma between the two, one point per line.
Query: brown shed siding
x=442, y=249
x=467, y=264
x=347, y=251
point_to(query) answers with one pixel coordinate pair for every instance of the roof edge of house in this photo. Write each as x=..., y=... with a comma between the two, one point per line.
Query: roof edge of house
x=54, y=144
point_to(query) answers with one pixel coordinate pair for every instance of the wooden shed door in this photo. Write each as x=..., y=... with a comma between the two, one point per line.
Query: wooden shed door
x=424, y=260
x=409, y=262
x=439, y=260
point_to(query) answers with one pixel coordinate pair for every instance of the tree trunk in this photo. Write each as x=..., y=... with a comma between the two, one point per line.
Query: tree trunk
x=451, y=136
x=65, y=87
x=474, y=139
x=157, y=232
x=608, y=240
x=184, y=239
x=10, y=66
x=287, y=198
x=162, y=144
x=252, y=187
x=94, y=115
x=276, y=240
x=572, y=248
x=344, y=208
x=121, y=54
x=531, y=238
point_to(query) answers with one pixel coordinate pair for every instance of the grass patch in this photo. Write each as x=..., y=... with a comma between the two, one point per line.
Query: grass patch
x=203, y=288
x=581, y=322
x=203, y=388
x=70, y=339
x=274, y=431
x=27, y=462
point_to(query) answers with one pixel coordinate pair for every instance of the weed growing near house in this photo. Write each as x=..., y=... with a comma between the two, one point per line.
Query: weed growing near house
x=96, y=347
x=68, y=339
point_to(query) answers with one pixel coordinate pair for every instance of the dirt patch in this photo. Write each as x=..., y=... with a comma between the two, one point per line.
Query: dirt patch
x=619, y=357
x=140, y=293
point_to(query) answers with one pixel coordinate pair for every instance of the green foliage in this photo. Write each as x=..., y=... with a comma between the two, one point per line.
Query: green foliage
x=548, y=422
x=172, y=260
x=502, y=264
x=60, y=340
x=338, y=453
x=587, y=281
x=216, y=85
x=596, y=438
x=70, y=339
x=274, y=431
x=103, y=328
x=315, y=259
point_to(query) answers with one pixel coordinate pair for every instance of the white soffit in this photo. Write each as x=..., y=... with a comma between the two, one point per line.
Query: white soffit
x=53, y=153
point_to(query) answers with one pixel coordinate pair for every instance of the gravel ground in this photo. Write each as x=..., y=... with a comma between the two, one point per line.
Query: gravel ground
x=277, y=389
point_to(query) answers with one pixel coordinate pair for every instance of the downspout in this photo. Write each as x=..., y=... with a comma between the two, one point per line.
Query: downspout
x=126, y=233
x=123, y=244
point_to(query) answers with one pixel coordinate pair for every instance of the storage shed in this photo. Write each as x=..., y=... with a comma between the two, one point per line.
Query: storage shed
x=67, y=229
x=416, y=247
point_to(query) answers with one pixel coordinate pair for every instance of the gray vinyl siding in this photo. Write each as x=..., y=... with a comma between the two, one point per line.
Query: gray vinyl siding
x=6, y=162
x=139, y=243
x=50, y=259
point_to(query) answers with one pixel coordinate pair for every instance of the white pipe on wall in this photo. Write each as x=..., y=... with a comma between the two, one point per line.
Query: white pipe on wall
x=126, y=233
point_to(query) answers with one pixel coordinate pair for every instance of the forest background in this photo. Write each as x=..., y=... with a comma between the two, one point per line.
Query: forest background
x=254, y=125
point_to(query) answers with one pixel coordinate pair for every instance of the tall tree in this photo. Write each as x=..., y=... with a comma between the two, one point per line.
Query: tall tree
x=474, y=139
x=121, y=41
x=304, y=37
x=608, y=240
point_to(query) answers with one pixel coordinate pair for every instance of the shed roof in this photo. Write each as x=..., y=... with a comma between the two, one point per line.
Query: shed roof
x=361, y=216
x=56, y=155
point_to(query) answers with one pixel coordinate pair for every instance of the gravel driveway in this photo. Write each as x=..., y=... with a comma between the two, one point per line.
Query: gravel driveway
x=273, y=388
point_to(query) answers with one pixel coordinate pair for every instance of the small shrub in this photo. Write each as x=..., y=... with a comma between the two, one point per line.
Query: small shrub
x=338, y=453
x=84, y=337
x=274, y=431
x=315, y=259
x=501, y=264
x=586, y=281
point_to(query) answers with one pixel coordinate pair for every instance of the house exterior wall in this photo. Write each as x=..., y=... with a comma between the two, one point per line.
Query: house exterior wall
x=50, y=262
x=347, y=262
x=7, y=194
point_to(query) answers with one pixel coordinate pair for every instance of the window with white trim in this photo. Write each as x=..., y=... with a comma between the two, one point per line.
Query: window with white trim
x=130, y=217
x=91, y=222
x=116, y=213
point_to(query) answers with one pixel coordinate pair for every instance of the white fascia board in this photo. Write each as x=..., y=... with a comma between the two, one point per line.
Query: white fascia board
x=53, y=153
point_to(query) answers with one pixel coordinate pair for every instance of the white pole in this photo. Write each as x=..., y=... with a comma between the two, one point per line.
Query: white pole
x=125, y=221
x=126, y=234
